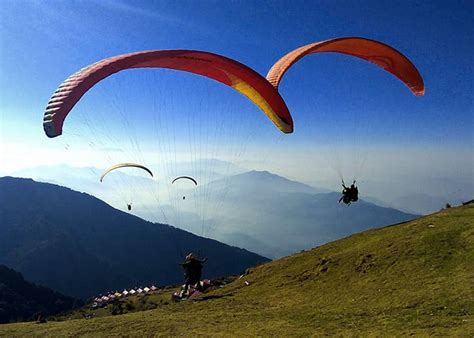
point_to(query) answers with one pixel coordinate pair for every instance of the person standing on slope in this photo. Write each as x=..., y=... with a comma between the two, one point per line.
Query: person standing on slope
x=192, y=271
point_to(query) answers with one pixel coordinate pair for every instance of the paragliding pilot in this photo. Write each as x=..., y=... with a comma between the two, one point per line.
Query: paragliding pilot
x=350, y=194
x=129, y=206
x=192, y=271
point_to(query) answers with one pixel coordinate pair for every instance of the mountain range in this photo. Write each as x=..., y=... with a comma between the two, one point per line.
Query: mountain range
x=81, y=246
x=256, y=210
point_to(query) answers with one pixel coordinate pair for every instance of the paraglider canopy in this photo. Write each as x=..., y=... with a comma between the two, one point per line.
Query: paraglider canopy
x=185, y=177
x=217, y=67
x=384, y=56
x=125, y=165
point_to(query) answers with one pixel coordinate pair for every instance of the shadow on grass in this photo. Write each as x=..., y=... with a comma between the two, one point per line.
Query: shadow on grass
x=200, y=299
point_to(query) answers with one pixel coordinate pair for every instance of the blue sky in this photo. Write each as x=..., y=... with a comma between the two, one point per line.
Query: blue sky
x=43, y=42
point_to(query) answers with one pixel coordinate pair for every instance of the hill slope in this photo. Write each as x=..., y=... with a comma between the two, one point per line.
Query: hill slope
x=80, y=246
x=411, y=278
x=21, y=300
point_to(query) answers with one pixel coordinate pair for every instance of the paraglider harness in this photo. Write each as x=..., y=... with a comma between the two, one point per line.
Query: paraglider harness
x=350, y=194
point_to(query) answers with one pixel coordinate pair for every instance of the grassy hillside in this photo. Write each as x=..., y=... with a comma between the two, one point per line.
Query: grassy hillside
x=412, y=278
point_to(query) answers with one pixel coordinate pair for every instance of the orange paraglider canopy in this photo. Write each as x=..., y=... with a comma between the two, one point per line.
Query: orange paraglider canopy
x=219, y=68
x=373, y=51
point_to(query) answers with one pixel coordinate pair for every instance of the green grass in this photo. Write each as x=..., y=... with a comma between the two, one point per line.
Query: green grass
x=415, y=278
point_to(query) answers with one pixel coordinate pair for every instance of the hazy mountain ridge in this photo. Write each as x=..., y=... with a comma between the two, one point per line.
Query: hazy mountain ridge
x=419, y=195
x=257, y=210
x=415, y=196
x=257, y=180
x=81, y=246
x=283, y=216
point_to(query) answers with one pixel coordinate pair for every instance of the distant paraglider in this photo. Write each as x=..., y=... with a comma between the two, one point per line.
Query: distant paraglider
x=186, y=178
x=125, y=165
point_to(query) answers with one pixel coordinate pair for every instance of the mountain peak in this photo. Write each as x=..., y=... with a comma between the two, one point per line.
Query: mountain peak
x=264, y=174
x=266, y=181
x=261, y=172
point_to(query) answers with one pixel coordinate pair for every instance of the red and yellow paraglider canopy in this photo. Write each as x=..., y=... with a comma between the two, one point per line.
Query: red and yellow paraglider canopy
x=219, y=68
